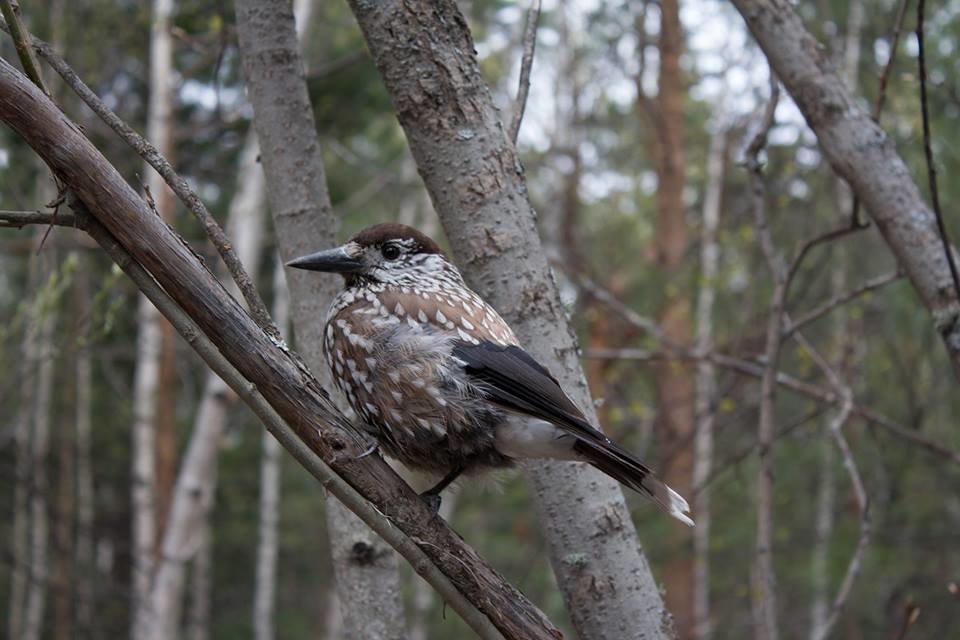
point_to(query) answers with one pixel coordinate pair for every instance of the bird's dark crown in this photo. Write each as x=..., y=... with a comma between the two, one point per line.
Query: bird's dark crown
x=384, y=232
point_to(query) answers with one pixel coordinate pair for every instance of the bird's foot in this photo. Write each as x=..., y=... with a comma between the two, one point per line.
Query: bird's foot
x=369, y=450
x=432, y=500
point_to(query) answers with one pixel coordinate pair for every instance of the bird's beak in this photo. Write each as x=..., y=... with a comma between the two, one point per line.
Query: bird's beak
x=332, y=261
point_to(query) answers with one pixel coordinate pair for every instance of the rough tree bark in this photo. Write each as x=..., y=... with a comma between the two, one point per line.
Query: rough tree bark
x=860, y=151
x=426, y=56
x=367, y=579
x=151, y=342
x=284, y=393
x=706, y=383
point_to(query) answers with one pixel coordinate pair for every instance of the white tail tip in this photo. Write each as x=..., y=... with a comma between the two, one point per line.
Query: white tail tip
x=679, y=508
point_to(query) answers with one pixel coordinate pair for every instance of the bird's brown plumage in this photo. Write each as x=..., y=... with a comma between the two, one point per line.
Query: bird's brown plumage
x=439, y=377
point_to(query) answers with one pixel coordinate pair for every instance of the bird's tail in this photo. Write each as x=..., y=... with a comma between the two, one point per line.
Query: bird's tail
x=623, y=466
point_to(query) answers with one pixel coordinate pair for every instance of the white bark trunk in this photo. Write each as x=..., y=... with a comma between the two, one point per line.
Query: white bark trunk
x=147, y=373
x=201, y=578
x=266, y=578
x=83, y=428
x=196, y=480
x=16, y=607
x=40, y=445
x=706, y=377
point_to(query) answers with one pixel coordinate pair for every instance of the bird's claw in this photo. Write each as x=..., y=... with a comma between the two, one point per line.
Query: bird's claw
x=369, y=450
x=432, y=500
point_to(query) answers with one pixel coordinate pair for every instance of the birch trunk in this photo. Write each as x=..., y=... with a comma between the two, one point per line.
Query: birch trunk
x=196, y=480
x=39, y=447
x=265, y=586
x=201, y=577
x=425, y=54
x=83, y=428
x=368, y=591
x=31, y=437
x=150, y=342
x=706, y=383
x=16, y=607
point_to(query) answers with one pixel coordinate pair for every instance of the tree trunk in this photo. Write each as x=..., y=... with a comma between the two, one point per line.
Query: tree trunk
x=859, y=150
x=83, y=428
x=150, y=343
x=39, y=447
x=674, y=381
x=265, y=586
x=64, y=594
x=201, y=578
x=706, y=383
x=196, y=481
x=369, y=592
x=425, y=54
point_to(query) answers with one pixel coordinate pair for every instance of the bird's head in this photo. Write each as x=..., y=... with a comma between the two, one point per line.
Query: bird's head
x=387, y=252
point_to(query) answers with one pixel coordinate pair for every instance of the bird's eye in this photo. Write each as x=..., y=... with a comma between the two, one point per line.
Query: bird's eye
x=390, y=251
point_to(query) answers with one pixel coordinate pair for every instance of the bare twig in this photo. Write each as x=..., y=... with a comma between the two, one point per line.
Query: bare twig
x=885, y=74
x=674, y=351
x=882, y=91
x=818, y=312
x=20, y=219
x=526, y=63
x=764, y=599
x=179, y=186
x=863, y=500
x=928, y=152
x=21, y=40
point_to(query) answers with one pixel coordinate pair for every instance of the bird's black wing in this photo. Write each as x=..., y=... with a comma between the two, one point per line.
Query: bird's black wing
x=511, y=378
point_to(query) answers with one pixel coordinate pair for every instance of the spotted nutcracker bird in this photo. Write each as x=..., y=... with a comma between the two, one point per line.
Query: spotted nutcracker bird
x=438, y=377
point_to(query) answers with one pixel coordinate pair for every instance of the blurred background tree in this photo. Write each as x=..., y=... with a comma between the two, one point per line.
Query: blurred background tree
x=593, y=144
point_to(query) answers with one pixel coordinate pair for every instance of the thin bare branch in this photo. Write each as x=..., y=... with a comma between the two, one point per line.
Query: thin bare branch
x=863, y=501
x=526, y=63
x=177, y=183
x=21, y=40
x=928, y=152
x=791, y=383
x=882, y=92
x=763, y=603
x=818, y=312
x=20, y=219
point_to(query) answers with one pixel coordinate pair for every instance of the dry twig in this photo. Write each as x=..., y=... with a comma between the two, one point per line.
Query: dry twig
x=928, y=152
x=526, y=63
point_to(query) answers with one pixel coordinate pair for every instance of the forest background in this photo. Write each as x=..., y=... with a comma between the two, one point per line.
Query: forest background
x=664, y=215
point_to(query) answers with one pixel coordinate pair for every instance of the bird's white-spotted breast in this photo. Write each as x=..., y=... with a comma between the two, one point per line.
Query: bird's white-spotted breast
x=389, y=346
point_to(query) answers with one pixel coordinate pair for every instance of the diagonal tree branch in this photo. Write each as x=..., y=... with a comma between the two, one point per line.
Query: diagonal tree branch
x=861, y=152
x=263, y=361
